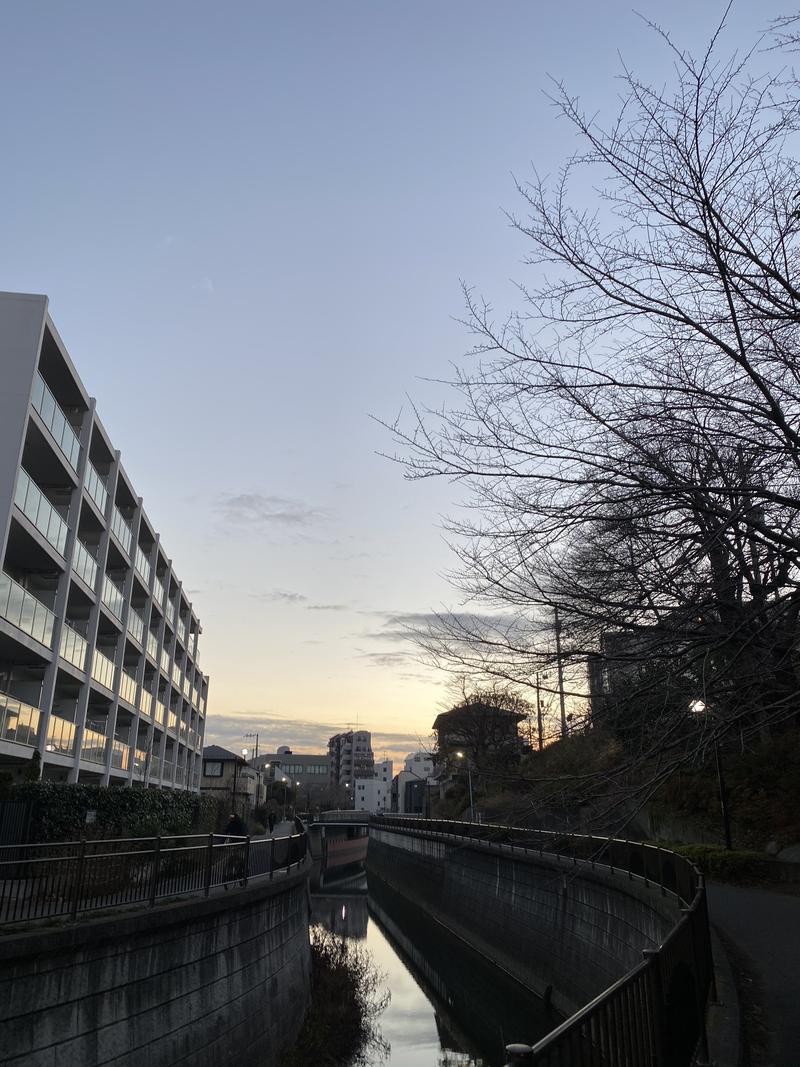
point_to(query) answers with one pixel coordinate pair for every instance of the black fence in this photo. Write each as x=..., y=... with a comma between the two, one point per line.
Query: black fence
x=654, y=1016
x=64, y=880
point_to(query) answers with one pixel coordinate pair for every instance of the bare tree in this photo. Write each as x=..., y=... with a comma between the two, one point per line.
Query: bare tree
x=631, y=438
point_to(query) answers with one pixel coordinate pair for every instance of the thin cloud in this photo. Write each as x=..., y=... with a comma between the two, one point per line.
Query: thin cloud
x=283, y=596
x=258, y=509
x=326, y=607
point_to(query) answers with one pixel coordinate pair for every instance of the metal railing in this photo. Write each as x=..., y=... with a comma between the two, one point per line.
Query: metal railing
x=654, y=1014
x=66, y=880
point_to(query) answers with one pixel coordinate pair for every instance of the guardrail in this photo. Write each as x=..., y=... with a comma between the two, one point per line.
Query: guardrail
x=654, y=1014
x=64, y=880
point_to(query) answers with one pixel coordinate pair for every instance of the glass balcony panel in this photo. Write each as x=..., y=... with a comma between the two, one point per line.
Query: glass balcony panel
x=159, y=593
x=23, y=610
x=165, y=661
x=145, y=702
x=56, y=421
x=122, y=530
x=102, y=669
x=120, y=754
x=161, y=714
x=167, y=770
x=176, y=675
x=142, y=565
x=155, y=766
x=113, y=598
x=60, y=736
x=84, y=564
x=93, y=746
x=32, y=502
x=73, y=647
x=140, y=762
x=152, y=645
x=136, y=624
x=19, y=722
x=127, y=688
x=95, y=487
x=173, y=722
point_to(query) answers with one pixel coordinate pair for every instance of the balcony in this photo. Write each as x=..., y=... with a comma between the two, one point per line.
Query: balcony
x=176, y=675
x=102, y=669
x=51, y=414
x=183, y=632
x=165, y=661
x=32, y=502
x=172, y=722
x=96, y=487
x=60, y=736
x=121, y=529
x=127, y=688
x=93, y=746
x=23, y=610
x=84, y=564
x=161, y=714
x=73, y=647
x=159, y=593
x=155, y=767
x=142, y=565
x=113, y=598
x=146, y=702
x=152, y=646
x=120, y=754
x=136, y=625
x=167, y=770
x=19, y=722
x=139, y=762
x=187, y=689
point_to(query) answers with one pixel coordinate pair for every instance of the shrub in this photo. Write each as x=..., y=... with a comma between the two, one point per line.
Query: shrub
x=722, y=865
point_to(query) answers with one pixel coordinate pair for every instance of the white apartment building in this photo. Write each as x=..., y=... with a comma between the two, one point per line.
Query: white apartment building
x=99, y=667
x=413, y=784
x=351, y=757
x=375, y=793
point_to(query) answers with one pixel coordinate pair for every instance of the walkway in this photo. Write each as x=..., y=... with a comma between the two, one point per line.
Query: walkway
x=765, y=926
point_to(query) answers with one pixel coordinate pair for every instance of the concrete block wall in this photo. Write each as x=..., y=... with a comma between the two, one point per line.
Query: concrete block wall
x=548, y=922
x=201, y=982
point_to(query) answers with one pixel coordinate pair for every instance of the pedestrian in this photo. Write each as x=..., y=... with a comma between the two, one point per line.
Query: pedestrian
x=235, y=827
x=271, y=821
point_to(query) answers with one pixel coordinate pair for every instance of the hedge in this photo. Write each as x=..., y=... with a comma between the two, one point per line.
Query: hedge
x=59, y=812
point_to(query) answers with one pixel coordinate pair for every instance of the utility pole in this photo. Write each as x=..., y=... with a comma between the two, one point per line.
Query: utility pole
x=249, y=737
x=560, y=675
x=539, y=714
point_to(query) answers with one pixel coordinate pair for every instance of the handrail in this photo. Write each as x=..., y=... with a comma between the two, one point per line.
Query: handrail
x=66, y=879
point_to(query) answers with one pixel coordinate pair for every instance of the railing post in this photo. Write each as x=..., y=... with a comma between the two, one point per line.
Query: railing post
x=655, y=996
x=246, y=859
x=209, y=863
x=154, y=877
x=519, y=1054
x=272, y=855
x=76, y=895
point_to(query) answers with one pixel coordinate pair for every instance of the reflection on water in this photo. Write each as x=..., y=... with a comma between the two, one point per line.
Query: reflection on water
x=449, y=1006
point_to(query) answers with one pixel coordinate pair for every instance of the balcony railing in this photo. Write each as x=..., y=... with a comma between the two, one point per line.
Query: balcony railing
x=167, y=769
x=176, y=675
x=139, y=762
x=32, y=502
x=96, y=487
x=121, y=529
x=23, y=610
x=102, y=669
x=56, y=421
x=152, y=645
x=155, y=767
x=187, y=689
x=113, y=598
x=120, y=754
x=161, y=714
x=93, y=746
x=84, y=564
x=72, y=647
x=183, y=632
x=142, y=565
x=135, y=625
x=127, y=687
x=173, y=722
x=60, y=736
x=159, y=593
x=145, y=702
x=165, y=661
x=19, y=722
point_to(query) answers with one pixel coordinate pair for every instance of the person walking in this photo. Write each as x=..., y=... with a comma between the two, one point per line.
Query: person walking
x=271, y=821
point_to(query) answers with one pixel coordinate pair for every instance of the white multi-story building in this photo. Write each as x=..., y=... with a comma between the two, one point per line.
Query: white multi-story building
x=412, y=785
x=351, y=757
x=375, y=793
x=99, y=667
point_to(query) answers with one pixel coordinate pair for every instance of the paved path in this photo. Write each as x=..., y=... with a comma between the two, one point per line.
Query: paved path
x=765, y=926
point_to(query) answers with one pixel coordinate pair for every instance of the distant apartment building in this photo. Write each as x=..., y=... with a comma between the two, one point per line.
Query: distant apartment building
x=308, y=774
x=351, y=757
x=99, y=669
x=374, y=794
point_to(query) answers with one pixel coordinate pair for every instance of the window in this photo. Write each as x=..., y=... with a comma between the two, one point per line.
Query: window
x=212, y=768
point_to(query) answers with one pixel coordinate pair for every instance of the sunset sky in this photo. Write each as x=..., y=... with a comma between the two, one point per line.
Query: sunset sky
x=266, y=209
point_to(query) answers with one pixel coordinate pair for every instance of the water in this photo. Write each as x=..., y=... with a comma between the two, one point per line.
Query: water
x=449, y=1007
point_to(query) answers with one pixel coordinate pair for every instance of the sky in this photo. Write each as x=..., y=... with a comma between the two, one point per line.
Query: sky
x=252, y=221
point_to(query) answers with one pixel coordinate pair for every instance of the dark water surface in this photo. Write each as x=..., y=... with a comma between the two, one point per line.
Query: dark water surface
x=450, y=1007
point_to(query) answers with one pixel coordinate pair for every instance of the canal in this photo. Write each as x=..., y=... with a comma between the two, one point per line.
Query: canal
x=449, y=1007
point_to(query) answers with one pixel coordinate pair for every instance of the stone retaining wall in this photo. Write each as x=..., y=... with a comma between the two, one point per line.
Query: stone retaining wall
x=204, y=982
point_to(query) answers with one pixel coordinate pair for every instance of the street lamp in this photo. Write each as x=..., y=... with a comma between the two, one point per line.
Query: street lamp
x=460, y=755
x=699, y=707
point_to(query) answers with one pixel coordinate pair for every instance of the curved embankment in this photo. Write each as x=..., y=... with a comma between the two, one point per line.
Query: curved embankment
x=206, y=982
x=567, y=930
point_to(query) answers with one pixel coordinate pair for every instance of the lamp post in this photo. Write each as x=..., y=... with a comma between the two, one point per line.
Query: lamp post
x=460, y=755
x=699, y=707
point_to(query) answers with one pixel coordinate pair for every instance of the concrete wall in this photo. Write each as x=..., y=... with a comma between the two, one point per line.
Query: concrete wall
x=205, y=983
x=548, y=922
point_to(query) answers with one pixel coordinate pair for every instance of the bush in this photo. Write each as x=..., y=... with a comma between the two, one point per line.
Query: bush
x=722, y=865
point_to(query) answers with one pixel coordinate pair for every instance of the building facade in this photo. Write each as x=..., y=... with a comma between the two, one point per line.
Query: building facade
x=411, y=787
x=308, y=774
x=351, y=757
x=99, y=668
x=230, y=779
